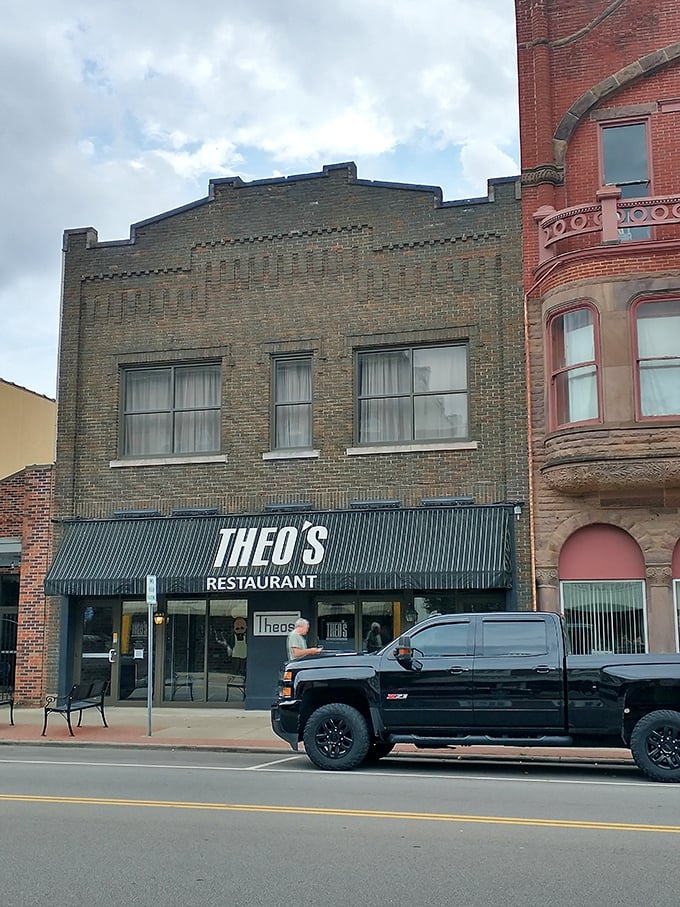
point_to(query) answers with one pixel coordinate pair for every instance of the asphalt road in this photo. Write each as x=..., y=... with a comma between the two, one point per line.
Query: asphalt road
x=87, y=826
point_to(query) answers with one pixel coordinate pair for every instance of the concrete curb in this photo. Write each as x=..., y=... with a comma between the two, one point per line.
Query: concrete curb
x=547, y=756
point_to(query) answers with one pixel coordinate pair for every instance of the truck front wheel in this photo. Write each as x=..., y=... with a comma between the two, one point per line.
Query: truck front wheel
x=336, y=737
x=655, y=745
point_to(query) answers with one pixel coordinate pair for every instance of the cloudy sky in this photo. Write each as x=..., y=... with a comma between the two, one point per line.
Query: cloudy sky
x=114, y=112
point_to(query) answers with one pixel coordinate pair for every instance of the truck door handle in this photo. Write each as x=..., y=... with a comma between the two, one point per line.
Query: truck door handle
x=458, y=670
x=542, y=669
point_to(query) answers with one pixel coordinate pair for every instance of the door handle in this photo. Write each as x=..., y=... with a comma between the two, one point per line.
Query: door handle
x=458, y=670
x=543, y=669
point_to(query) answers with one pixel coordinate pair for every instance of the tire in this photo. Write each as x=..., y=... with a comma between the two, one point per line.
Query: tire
x=655, y=745
x=336, y=737
x=377, y=750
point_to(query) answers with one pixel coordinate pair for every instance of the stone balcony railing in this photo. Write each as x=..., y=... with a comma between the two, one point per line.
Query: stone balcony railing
x=610, y=219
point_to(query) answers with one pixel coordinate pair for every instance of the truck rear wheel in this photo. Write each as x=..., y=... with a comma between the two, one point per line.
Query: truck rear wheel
x=655, y=745
x=336, y=737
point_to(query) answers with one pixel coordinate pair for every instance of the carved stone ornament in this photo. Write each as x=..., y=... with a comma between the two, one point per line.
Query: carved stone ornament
x=659, y=575
x=610, y=475
x=544, y=173
x=546, y=576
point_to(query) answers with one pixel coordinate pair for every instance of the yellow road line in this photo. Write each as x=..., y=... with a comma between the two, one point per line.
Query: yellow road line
x=356, y=813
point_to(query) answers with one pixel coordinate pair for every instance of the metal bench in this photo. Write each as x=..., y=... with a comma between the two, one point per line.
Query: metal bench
x=181, y=682
x=236, y=682
x=81, y=697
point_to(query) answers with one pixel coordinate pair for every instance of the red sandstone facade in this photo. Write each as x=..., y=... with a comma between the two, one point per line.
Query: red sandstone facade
x=599, y=123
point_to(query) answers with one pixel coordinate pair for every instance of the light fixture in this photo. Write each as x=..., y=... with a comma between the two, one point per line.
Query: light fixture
x=159, y=618
x=517, y=510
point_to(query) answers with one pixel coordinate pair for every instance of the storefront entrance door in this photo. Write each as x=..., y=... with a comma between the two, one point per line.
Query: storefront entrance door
x=96, y=641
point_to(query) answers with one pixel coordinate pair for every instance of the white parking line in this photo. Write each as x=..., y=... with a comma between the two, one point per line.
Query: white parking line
x=275, y=762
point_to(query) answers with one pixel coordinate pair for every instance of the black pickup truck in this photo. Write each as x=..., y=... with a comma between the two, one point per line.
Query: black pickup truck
x=481, y=679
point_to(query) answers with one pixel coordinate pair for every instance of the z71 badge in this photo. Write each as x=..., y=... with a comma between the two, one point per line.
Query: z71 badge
x=391, y=696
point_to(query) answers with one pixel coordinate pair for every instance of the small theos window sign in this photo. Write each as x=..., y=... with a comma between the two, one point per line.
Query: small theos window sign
x=274, y=623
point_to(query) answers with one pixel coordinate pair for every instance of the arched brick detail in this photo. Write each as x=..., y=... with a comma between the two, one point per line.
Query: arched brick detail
x=644, y=66
x=578, y=521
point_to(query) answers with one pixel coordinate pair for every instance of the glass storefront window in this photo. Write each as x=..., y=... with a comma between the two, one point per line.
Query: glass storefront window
x=377, y=624
x=457, y=602
x=206, y=650
x=185, y=638
x=227, y=650
x=351, y=625
x=336, y=626
x=605, y=616
x=133, y=662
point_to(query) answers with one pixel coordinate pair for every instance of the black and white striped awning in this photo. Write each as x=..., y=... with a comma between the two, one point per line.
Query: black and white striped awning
x=420, y=548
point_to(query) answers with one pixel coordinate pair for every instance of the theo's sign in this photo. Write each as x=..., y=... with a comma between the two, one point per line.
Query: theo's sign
x=268, y=546
x=274, y=623
x=253, y=547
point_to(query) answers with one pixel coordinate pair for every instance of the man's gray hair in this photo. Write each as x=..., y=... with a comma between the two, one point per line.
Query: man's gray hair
x=301, y=622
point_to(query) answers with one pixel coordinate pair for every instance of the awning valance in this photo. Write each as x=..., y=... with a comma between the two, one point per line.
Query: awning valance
x=467, y=547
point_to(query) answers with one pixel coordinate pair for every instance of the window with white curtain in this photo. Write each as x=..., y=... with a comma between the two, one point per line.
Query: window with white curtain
x=171, y=410
x=658, y=357
x=292, y=395
x=574, y=366
x=605, y=616
x=413, y=394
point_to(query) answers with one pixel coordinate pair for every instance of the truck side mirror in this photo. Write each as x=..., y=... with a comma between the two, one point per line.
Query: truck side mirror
x=404, y=652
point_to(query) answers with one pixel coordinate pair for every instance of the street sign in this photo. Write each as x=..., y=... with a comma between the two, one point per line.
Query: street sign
x=151, y=598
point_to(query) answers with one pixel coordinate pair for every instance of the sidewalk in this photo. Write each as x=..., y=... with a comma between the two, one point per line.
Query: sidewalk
x=237, y=730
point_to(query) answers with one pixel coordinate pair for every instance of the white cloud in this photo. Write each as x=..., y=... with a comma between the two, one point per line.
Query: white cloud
x=114, y=112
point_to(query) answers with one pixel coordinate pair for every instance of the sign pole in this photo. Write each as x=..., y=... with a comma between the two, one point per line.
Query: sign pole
x=152, y=602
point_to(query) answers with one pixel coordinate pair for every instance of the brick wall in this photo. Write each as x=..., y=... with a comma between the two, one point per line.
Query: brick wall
x=323, y=264
x=25, y=512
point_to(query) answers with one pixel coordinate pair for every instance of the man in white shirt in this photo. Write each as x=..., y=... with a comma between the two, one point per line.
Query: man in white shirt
x=296, y=642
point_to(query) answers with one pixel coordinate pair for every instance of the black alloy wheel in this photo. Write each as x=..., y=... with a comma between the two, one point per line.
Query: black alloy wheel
x=655, y=745
x=336, y=737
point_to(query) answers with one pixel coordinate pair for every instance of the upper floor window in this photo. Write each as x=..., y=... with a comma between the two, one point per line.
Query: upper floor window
x=171, y=410
x=413, y=394
x=658, y=357
x=292, y=396
x=574, y=367
x=625, y=164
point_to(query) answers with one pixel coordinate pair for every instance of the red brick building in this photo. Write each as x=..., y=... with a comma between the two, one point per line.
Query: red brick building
x=298, y=396
x=25, y=552
x=599, y=123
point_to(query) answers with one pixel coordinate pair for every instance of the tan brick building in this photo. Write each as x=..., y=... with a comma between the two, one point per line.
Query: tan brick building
x=599, y=120
x=300, y=396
